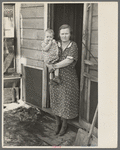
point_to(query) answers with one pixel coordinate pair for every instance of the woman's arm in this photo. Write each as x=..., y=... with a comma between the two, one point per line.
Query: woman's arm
x=64, y=63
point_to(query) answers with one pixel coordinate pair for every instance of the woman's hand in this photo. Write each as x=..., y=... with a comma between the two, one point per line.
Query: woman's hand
x=50, y=68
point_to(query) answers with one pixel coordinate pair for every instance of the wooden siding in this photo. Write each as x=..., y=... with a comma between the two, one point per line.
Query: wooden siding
x=32, y=54
x=32, y=5
x=32, y=29
x=33, y=12
x=89, y=72
x=32, y=33
x=31, y=44
x=94, y=40
x=33, y=23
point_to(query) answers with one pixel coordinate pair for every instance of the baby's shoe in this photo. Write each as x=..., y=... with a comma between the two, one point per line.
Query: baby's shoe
x=52, y=82
x=57, y=79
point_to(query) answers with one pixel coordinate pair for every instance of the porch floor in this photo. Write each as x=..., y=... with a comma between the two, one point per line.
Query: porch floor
x=28, y=126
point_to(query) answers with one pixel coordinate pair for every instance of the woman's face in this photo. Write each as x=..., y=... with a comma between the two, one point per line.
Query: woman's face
x=65, y=35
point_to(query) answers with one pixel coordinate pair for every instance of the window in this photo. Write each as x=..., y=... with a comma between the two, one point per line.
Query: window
x=9, y=39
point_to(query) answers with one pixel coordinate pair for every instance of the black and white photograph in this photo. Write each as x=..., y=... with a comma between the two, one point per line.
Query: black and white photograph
x=50, y=55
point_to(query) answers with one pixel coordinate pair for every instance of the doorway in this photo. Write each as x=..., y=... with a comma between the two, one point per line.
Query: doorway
x=72, y=14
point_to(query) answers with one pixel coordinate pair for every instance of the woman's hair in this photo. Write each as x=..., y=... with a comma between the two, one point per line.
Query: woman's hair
x=65, y=26
x=50, y=31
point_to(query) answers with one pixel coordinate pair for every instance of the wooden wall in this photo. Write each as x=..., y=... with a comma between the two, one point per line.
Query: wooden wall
x=89, y=67
x=94, y=40
x=32, y=33
x=32, y=24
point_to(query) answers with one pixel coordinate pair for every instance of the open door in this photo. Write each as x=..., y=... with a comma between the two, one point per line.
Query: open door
x=83, y=18
x=71, y=14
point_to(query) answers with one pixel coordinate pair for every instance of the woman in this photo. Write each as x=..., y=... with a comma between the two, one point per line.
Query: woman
x=64, y=97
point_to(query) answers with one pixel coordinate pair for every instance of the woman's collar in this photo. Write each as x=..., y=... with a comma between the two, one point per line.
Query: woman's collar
x=69, y=45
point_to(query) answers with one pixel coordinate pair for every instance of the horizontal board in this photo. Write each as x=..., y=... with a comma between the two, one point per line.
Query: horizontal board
x=93, y=60
x=91, y=77
x=32, y=12
x=33, y=23
x=94, y=50
x=95, y=67
x=32, y=4
x=33, y=54
x=34, y=63
x=95, y=22
x=94, y=73
x=32, y=44
x=95, y=9
x=94, y=37
x=33, y=34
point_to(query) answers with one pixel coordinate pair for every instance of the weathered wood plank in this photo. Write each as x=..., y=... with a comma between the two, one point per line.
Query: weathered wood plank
x=94, y=73
x=44, y=87
x=35, y=4
x=23, y=83
x=32, y=54
x=84, y=40
x=90, y=63
x=95, y=22
x=95, y=67
x=33, y=23
x=95, y=9
x=8, y=95
x=94, y=37
x=87, y=126
x=32, y=12
x=94, y=50
x=32, y=44
x=91, y=77
x=34, y=63
x=88, y=100
x=93, y=60
x=88, y=56
x=33, y=34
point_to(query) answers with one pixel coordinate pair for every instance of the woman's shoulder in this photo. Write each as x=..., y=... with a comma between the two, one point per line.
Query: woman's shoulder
x=73, y=45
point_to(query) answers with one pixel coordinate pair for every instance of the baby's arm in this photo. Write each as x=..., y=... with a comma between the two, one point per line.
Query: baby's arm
x=46, y=47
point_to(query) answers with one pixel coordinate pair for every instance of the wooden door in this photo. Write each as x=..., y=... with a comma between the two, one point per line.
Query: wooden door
x=33, y=67
x=89, y=67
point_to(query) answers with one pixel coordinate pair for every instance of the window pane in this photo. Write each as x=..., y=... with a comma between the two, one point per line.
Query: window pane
x=9, y=20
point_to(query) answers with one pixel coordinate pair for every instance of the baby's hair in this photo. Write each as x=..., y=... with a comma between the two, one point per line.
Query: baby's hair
x=49, y=31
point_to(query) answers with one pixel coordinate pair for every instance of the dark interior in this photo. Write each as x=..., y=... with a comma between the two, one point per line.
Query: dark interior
x=71, y=14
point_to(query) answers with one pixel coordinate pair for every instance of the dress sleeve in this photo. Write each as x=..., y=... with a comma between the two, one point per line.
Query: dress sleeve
x=73, y=52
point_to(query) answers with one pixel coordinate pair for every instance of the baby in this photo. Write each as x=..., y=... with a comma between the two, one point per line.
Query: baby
x=50, y=53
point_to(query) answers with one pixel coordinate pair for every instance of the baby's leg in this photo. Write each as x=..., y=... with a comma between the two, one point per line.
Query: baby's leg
x=56, y=79
x=51, y=80
x=56, y=72
x=51, y=76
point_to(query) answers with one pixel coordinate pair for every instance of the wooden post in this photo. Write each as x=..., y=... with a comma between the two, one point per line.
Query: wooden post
x=17, y=22
x=87, y=82
x=84, y=40
x=88, y=100
x=44, y=87
x=23, y=83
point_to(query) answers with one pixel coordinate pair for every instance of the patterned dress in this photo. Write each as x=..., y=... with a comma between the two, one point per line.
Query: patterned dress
x=64, y=97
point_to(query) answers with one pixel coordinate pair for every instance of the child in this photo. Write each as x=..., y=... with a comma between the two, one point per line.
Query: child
x=50, y=52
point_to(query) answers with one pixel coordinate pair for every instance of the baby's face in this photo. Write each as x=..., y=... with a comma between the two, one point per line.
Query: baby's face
x=48, y=37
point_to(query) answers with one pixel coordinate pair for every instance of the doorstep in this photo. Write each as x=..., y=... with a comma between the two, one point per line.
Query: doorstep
x=72, y=122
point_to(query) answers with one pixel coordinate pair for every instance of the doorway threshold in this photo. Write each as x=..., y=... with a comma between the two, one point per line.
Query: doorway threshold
x=73, y=122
